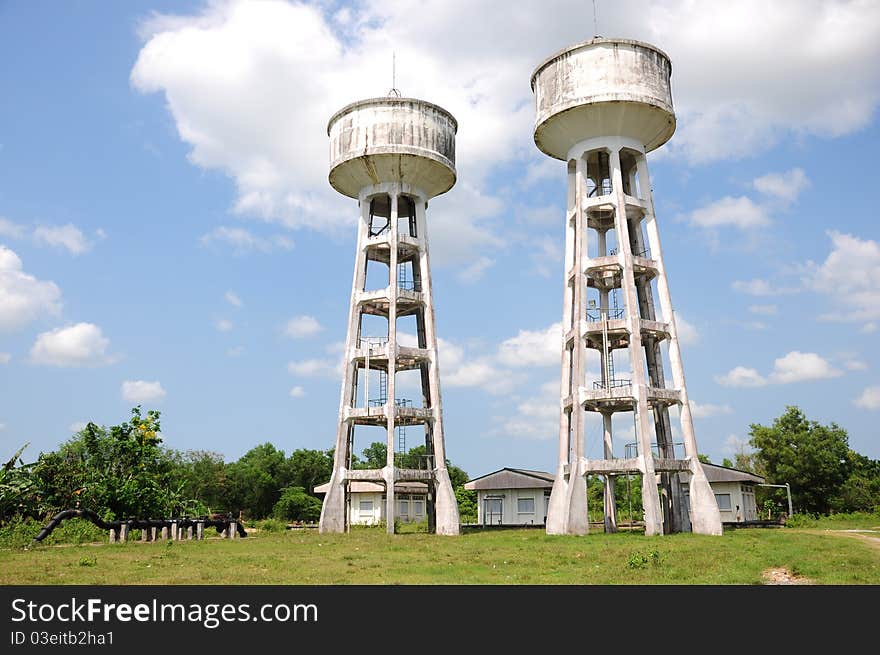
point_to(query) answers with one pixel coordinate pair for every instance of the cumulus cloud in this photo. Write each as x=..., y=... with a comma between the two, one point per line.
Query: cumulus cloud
x=869, y=398
x=67, y=237
x=687, y=332
x=475, y=271
x=534, y=418
x=78, y=345
x=314, y=368
x=301, y=327
x=232, y=298
x=250, y=87
x=793, y=367
x=707, y=410
x=223, y=325
x=23, y=298
x=533, y=348
x=783, y=186
x=740, y=212
x=141, y=391
x=854, y=265
x=243, y=241
x=766, y=310
x=11, y=229
x=297, y=392
x=761, y=287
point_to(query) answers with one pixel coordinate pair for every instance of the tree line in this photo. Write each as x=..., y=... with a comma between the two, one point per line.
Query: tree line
x=125, y=471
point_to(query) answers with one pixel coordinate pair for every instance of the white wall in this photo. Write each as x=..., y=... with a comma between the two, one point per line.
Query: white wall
x=510, y=505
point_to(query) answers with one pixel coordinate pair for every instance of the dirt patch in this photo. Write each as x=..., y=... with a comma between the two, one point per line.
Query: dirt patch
x=868, y=536
x=783, y=576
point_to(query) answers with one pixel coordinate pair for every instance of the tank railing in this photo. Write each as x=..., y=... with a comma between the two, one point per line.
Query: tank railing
x=417, y=462
x=398, y=402
x=603, y=189
x=374, y=232
x=611, y=314
x=632, y=449
x=372, y=343
x=611, y=384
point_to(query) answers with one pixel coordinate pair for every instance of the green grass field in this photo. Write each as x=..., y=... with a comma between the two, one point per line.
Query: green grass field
x=369, y=556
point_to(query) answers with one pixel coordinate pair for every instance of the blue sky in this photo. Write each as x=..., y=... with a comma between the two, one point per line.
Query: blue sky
x=169, y=237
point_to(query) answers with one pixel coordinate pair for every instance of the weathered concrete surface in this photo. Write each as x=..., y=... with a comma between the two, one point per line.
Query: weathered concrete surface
x=392, y=140
x=399, y=153
x=603, y=87
x=601, y=106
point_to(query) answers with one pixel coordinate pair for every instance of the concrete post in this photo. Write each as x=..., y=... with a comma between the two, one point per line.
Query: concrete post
x=609, y=500
x=390, y=401
x=153, y=533
x=164, y=533
x=145, y=534
x=233, y=532
x=200, y=530
x=123, y=533
x=189, y=533
x=112, y=536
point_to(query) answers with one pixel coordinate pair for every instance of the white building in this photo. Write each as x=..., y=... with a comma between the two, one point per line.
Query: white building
x=512, y=497
x=734, y=492
x=368, y=501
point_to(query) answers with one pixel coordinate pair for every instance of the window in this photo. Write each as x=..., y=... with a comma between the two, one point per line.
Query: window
x=366, y=506
x=723, y=501
x=525, y=505
x=404, y=508
x=419, y=507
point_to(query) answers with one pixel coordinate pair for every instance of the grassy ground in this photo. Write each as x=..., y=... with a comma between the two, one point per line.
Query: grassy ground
x=369, y=556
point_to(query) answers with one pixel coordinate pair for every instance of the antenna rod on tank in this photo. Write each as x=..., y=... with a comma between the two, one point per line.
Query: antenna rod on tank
x=394, y=92
x=595, y=19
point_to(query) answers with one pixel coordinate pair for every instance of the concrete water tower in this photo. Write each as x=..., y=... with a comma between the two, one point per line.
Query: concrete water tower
x=601, y=107
x=392, y=154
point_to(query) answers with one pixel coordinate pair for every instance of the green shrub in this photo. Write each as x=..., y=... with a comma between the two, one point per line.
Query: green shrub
x=20, y=532
x=270, y=525
x=296, y=505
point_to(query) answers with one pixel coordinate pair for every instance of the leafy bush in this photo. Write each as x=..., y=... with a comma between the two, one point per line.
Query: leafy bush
x=270, y=525
x=296, y=505
x=20, y=532
x=639, y=560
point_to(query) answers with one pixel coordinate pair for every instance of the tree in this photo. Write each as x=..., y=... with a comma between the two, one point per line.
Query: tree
x=256, y=480
x=296, y=505
x=861, y=491
x=814, y=459
x=309, y=468
x=119, y=472
x=704, y=458
x=726, y=462
x=375, y=456
x=467, y=505
x=204, y=480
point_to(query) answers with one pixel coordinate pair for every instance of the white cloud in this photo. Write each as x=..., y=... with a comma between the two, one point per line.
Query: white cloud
x=868, y=328
x=687, y=332
x=23, y=298
x=741, y=376
x=734, y=445
x=800, y=367
x=243, y=241
x=314, y=368
x=10, y=229
x=852, y=265
x=77, y=426
x=232, y=298
x=535, y=418
x=760, y=287
x=223, y=325
x=476, y=270
x=5, y=358
x=869, y=399
x=741, y=212
x=783, y=186
x=854, y=365
x=793, y=367
x=140, y=391
x=533, y=348
x=67, y=236
x=297, y=392
x=302, y=327
x=766, y=310
x=77, y=345
x=707, y=410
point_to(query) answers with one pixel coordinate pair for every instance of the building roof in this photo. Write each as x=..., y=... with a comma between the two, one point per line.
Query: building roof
x=511, y=478
x=365, y=486
x=716, y=473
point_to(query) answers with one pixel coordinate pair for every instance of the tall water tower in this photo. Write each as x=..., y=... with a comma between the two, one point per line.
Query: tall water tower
x=392, y=154
x=601, y=107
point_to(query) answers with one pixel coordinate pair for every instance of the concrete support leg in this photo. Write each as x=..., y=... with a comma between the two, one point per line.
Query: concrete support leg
x=609, y=500
x=145, y=534
x=578, y=518
x=333, y=509
x=445, y=505
x=153, y=533
x=123, y=533
x=200, y=530
x=705, y=517
x=233, y=531
x=189, y=533
x=164, y=533
x=556, y=510
x=112, y=536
